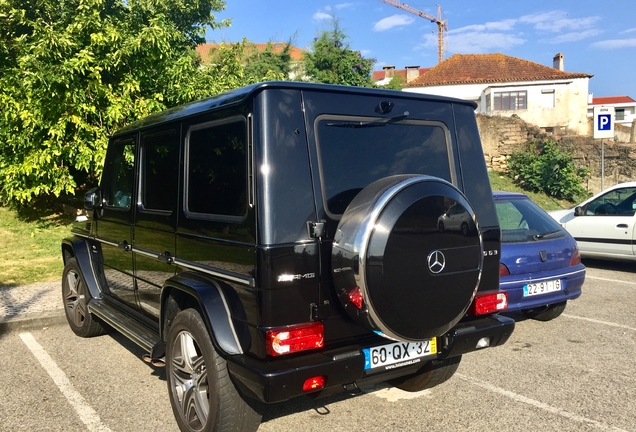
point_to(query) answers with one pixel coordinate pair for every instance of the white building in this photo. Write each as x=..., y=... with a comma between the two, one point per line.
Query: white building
x=550, y=98
x=624, y=107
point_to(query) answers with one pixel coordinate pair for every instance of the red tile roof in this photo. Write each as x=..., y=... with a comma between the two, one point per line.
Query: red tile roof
x=296, y=53
x=488, y=68
x=609, y=100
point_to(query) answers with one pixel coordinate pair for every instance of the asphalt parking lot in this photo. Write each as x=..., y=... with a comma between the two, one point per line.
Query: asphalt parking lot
x=576, y=373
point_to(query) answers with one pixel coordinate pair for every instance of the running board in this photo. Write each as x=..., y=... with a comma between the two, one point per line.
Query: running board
x=132, y=329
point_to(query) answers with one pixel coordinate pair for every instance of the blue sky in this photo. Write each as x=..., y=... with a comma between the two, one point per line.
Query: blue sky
x=595, y=37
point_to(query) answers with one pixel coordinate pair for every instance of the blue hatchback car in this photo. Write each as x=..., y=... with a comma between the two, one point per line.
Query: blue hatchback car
x=540, y=262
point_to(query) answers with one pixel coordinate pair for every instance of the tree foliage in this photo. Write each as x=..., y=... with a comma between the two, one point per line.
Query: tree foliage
x=396, y=83
x=546, y=168
x=73, y=72
x=332, y=61
x=269, y=63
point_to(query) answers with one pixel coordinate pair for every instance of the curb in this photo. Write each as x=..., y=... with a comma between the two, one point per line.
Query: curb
x=33, y=321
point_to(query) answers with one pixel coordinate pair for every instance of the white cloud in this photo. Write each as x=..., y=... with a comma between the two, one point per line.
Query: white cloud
x=345, y=5
x=321, y=16
x=471, y=42
x=574, y=36
x=615, y=44
x=556, y=21
x=393, y=21
x=489, y=26
x=631, y=30
x=365, y=52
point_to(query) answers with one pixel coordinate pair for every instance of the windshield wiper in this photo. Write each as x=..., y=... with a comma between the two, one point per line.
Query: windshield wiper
x=375, y=123
x=545, y=234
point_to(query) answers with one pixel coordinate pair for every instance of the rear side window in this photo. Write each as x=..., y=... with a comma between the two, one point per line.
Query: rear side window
x=356, y=151
x=216, y=170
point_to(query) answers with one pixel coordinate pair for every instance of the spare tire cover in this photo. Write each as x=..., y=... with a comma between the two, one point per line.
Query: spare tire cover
x=417, y=277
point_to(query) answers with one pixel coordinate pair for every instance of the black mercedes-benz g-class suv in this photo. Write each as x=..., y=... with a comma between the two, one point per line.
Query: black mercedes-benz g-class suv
x=283, y=239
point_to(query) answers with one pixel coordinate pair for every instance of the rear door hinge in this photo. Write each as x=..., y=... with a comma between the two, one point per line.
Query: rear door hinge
x=319, y=311
x=316, y=229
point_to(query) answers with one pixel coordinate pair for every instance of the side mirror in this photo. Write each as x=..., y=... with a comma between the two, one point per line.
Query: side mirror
x=93, y=199
x=579, y=211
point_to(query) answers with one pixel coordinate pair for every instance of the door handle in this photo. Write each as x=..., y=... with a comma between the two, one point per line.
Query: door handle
x=621, y=226
x=125, y=246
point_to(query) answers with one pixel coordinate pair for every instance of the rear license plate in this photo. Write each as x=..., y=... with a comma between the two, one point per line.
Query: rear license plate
x=541, y=287
x=398, y=354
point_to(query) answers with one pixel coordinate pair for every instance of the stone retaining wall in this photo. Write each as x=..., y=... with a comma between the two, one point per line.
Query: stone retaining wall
x=501, y=136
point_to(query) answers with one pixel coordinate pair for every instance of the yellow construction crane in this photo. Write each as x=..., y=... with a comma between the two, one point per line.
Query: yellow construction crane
x=441, y=24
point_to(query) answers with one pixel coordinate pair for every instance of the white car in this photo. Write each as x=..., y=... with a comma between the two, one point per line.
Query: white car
x=604, y=226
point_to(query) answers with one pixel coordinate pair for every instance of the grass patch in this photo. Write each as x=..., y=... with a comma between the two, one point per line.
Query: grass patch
x=31, y=245
x=498, y=181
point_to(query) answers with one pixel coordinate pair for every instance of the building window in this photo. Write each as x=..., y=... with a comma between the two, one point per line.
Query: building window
x=510, y=100
x=547, y=98
x=619, y=114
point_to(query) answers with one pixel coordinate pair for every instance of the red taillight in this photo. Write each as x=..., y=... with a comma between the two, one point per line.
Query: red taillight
x=503, y=270
x=490, y=303
x=356, y=297
x=314, y=383
x=296, y=338
x=576, y=258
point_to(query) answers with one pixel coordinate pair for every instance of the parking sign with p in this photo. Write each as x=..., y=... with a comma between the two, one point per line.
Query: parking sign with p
x=603, y=122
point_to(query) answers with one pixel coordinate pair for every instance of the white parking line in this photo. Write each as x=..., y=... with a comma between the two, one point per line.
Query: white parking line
x=587, y=276
x=595, y=321
x=537, y=404
x=87, y=414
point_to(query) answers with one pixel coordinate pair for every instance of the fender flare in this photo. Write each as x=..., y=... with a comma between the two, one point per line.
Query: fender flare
x=212, y=301
x=79, y=249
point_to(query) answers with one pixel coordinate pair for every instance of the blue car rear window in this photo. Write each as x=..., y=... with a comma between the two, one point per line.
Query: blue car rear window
x=521, y=220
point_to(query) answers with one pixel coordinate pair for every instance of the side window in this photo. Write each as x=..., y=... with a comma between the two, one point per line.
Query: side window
x=118, y=178
x=159, y=171
x=216, y=173
x=617, y=202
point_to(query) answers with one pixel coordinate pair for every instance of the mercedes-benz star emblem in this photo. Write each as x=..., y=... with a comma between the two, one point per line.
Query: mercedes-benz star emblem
x=436, y=261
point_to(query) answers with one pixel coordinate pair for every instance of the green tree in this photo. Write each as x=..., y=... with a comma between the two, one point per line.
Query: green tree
x=396, y=83
x=270, y=63
x=546, y=168
x=73, y=72
x=332, y=61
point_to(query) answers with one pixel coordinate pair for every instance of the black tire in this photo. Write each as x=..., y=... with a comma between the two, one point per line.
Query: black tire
x=432, y=374
x=545, y=313
x=202, y=395
x=75, y=296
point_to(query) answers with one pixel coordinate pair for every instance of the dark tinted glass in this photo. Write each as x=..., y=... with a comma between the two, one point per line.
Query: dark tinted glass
x=354, y=152
x=217, y=170
x=160, y=171
x=617, y=202
x=119, y=174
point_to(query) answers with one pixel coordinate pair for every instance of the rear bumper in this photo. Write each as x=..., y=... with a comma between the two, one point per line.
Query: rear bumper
x=282, y=379
x=571, y=284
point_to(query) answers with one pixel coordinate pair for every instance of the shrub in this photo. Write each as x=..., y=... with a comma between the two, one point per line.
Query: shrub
x=548, y=169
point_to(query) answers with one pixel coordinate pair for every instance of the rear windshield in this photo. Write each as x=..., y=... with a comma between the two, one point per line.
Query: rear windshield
x=356, y=151
x=521, y=220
